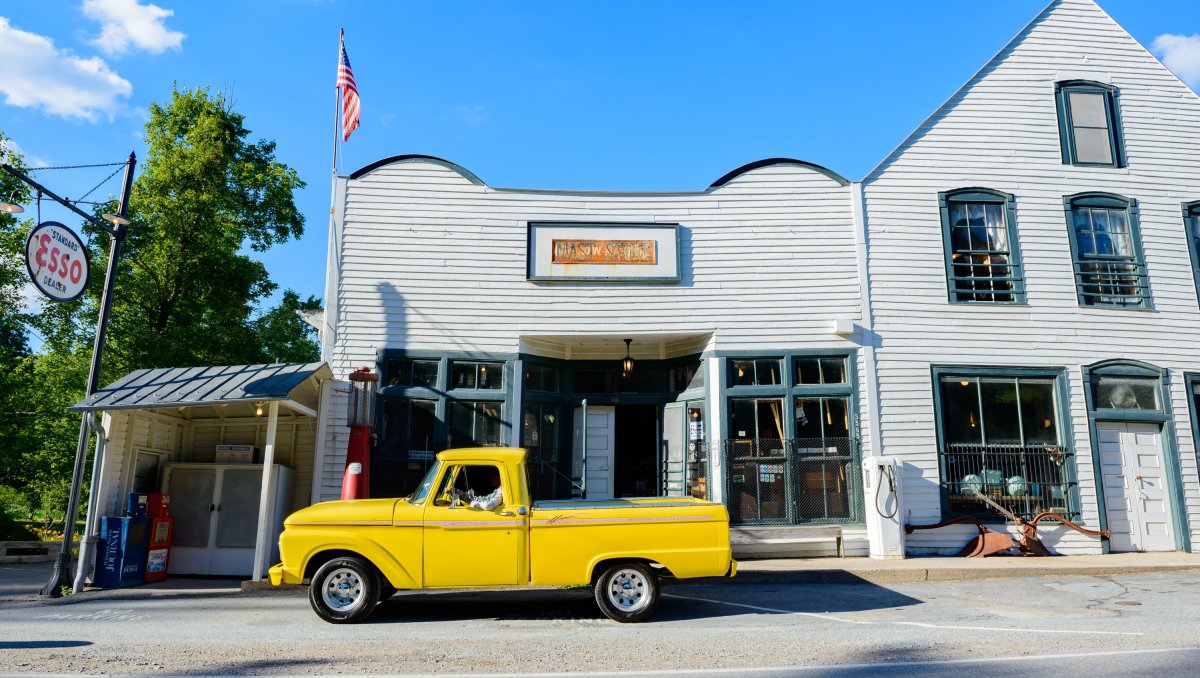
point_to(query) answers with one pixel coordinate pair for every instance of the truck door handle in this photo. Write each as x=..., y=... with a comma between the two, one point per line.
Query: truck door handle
x=507, y=514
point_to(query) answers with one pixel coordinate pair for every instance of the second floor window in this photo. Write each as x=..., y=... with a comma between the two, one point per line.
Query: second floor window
x=1089, y=124
x=982, y=264
x=1109, y=267
x=1191, y=222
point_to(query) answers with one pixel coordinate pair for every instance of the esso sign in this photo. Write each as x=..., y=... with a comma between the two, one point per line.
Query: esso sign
x=57, y=261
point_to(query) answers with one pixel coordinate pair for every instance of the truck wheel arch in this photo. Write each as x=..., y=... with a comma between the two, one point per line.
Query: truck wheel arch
x=603, y=563
x=329, y=552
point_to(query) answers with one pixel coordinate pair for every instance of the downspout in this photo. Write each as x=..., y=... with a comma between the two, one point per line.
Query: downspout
x=87, y=541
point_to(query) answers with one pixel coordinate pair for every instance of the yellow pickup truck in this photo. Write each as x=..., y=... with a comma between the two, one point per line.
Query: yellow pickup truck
x=470, y=523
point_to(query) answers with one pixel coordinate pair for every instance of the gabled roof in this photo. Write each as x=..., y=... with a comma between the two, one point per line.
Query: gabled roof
x=196, y=386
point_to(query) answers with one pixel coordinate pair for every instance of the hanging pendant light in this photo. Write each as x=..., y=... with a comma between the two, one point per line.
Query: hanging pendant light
x=627, y=361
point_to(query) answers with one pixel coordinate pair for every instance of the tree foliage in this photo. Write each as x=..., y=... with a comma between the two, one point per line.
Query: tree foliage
x=188, y=288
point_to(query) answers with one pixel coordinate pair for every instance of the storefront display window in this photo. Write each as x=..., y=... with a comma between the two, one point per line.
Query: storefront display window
x=475, y=423
x=473, y=375
x=1000, y=437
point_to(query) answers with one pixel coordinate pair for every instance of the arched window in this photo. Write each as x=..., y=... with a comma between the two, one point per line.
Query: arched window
x=1106, y=247
x=982, y=259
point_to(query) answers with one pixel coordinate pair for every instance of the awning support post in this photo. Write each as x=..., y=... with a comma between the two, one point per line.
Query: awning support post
x=265, y=500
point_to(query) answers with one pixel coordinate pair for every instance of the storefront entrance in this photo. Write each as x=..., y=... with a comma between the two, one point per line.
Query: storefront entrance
x=621, y=454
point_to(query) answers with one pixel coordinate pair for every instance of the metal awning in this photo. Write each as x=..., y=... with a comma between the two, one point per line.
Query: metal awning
x=173, y=387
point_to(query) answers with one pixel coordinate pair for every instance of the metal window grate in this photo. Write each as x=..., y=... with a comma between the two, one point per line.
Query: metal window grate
x=1025, y=479
x=792, y=482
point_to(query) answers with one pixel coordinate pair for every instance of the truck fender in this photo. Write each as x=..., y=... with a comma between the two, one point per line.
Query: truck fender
x=391, y=569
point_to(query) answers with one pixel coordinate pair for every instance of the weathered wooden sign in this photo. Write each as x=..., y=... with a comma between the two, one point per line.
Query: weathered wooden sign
x=603, y=252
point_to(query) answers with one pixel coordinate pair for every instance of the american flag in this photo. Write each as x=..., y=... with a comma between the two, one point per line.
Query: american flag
x=351, y=106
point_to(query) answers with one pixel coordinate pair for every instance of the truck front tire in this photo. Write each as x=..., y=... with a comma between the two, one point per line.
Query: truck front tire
x=344, y=590
x=627, y=592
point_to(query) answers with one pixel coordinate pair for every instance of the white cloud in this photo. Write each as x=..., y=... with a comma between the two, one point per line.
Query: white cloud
x=128, y=23
x=1181, y=54
x=8, y=146
x=37, y=74
x=472, y=115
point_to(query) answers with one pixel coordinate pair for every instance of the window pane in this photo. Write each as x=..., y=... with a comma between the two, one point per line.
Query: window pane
x=1038, y=415
x=808, y=371
x=958, y=214
x=742, y=418
x=399, y=373
x=960, y=405
x=1127, y=393
x=1001, y=420
x=978, y=225
x=837, y=418
x=421, y=431
x=833, y=370
x=425, y=373
x=488, y=424
x=743, y=373
x=1092, y=145
x=767, y=372
x=808, y=418
x=1087, y=109
x=997, y=233
x=462, y=375
x=491, y=376
x=395, y=425
x=770, y=419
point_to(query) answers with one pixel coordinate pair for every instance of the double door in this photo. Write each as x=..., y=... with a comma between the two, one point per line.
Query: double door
x=216, y=515
x=1134, y=486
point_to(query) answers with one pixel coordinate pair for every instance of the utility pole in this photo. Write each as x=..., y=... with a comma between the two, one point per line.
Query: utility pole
x=61, y=577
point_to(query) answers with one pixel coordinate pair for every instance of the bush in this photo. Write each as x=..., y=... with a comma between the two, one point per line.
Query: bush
x=14, y=530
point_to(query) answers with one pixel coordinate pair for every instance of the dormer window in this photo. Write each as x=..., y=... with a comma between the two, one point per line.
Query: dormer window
x=1089, y=124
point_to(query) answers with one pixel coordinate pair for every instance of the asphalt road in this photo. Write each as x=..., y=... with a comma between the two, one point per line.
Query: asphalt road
x=1094, y=626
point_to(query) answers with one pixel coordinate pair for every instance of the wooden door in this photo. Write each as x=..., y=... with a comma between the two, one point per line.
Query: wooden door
x=1134, y=486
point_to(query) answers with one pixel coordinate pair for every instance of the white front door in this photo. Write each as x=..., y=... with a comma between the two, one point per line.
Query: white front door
x=1134, y=486
x=598, y=456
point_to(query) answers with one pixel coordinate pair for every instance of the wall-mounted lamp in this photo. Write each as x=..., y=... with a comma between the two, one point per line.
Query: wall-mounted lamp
x=627, y=361
x=258, y=409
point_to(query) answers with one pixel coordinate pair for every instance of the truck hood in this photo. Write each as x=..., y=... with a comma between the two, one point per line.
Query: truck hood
x=352, y=511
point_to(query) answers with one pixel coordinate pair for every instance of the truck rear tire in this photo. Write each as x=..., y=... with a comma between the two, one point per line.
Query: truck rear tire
x=627, y=592
x=344, y=590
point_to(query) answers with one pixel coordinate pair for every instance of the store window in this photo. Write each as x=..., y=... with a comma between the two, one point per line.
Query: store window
x=1109, y=267
x=541, y=378
x=978, y=227
x=476, y=375
x=820, y=370
x=475, y=423
x=1000, y=438
x=1089, y=124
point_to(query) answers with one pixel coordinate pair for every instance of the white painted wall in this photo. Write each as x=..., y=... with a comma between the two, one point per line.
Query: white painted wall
x=1001, y=131
x=428, y=260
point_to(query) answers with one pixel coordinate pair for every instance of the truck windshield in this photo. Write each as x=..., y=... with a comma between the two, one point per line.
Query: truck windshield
x=426, y=483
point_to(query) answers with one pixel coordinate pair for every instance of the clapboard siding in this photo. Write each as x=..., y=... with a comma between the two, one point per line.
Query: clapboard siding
x=431, y=261
x=1000, y=131
x=127, y=432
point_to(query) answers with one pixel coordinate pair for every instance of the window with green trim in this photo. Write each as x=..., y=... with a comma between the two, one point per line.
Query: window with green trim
x=982, y=262
x=1191, y=222
x=1089, y=124
x=1000, y=438
x=1110, y=269
x=475, y=423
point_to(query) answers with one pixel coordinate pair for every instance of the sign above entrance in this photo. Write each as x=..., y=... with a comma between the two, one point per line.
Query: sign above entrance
x=603, y=252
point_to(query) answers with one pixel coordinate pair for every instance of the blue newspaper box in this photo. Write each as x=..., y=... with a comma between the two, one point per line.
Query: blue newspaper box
x=121, y=559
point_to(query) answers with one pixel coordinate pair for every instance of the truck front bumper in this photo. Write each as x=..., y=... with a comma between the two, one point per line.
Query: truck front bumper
x=732, y=569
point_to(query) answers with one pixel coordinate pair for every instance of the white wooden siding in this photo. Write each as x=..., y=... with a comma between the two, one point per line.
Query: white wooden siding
x=1001, y=131
x=128, y=431
x=428, y=260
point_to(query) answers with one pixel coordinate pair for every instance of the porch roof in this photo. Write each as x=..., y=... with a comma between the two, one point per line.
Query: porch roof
x=176, y=387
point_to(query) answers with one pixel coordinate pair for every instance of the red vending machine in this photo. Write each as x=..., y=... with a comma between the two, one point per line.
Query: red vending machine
x=162, y=528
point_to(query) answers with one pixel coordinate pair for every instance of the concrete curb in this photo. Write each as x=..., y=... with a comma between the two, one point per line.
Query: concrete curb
x=749, y=575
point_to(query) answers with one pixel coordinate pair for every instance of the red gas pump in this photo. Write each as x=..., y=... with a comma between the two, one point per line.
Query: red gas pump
x=162, y=529
x=356, y=483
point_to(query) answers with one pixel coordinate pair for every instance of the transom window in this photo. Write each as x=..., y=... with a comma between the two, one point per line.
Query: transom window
x=1109, y=266
x=1089, y=124
x=755, y=372
x=1000, y=439
x=404, y=372
x=820, y=370
x=981, y=254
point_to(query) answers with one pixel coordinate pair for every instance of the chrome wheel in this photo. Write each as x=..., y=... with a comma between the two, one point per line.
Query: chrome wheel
x=627, y=590
x=342, y=590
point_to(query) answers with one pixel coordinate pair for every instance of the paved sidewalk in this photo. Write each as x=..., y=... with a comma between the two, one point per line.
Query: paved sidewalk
x=21, y=582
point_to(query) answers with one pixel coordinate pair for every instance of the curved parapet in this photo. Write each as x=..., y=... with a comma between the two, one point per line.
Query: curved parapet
x=768, y=162
x=417, y=157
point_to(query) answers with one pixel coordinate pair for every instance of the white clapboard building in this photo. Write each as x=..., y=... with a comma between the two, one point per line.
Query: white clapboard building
x=1006, y=306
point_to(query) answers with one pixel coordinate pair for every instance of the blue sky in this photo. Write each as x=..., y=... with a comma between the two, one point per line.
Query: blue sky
x=609, y=95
